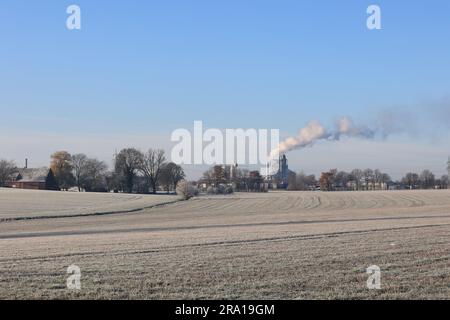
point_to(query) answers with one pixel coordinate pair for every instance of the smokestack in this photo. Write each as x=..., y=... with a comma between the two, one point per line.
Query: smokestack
x=26, y=163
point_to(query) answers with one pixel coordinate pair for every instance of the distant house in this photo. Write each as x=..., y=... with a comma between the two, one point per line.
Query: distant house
x=37, y=179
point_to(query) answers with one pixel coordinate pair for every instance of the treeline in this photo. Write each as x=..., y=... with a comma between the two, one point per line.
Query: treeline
x=363, y=180
x=133, y=172
x=355, y=180
x=334, y=180
x=424, y=180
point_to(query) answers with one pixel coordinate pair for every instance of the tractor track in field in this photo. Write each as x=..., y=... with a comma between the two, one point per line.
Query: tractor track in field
x=213, y=226
x=229, y=242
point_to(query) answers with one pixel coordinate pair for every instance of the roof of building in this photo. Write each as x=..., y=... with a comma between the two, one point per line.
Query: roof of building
x=33, y=174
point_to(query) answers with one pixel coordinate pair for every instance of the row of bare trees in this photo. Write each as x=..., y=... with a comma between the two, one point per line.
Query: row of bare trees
x=141, y=172
x=425, y=180
x=134, y=171
x=367, y=179
x=356, y=179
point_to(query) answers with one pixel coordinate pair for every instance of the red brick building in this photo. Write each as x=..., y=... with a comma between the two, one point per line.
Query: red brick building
x=37, y=179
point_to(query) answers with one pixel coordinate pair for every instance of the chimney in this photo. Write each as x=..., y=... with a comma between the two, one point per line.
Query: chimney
x=26, y=163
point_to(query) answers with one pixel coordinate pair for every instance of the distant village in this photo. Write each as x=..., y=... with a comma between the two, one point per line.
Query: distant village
x=230, y=177
x=135, y=171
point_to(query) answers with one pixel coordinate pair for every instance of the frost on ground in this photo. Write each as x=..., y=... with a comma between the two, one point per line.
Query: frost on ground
x=280, y=245
x=24, y=204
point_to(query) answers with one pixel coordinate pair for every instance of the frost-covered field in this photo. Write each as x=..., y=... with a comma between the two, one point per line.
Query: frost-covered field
x=290, y=245
x=20, y=204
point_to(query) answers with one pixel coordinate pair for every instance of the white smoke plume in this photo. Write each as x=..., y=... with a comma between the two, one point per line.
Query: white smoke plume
x=315, y=131
x=345, y=127
x=307, y=136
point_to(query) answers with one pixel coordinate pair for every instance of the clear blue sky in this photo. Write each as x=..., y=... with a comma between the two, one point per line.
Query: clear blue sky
x=148, y=67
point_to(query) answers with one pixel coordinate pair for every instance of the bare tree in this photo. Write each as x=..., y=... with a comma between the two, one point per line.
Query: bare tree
x=127, y=164
x=79, y=162
x=410, y=180
x=177, y=174
x=427, y=179
x=342, y=178
x=380, y=178
x=356, y=176
x=151, y=165
x=171, y=175
x=95, y=178
x=90, y=173
x=7, y=168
